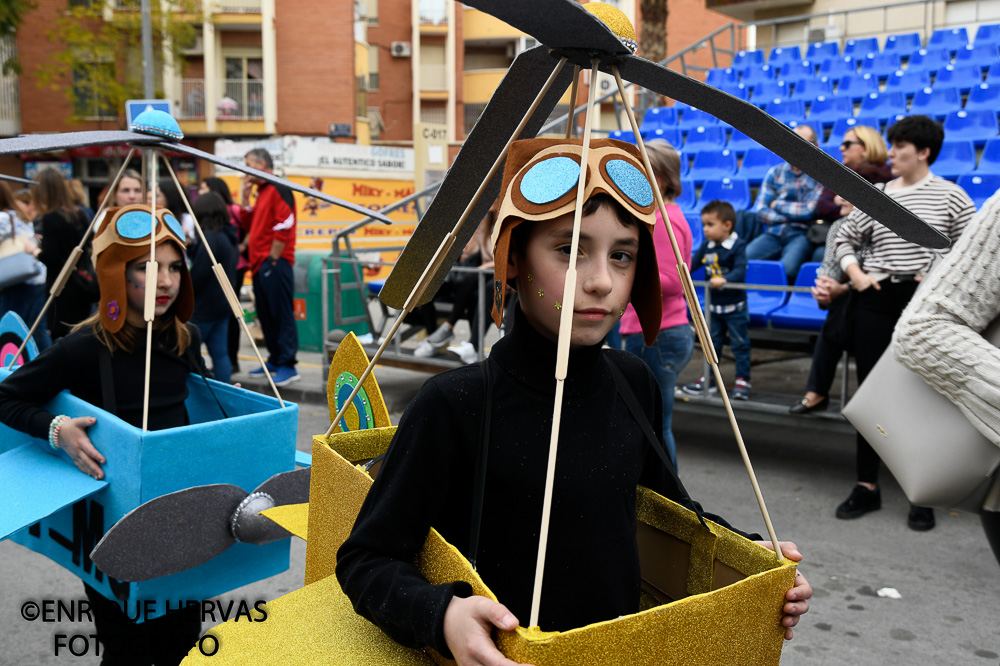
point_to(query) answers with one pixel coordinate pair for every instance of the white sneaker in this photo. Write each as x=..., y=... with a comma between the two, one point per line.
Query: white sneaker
x=424, y=350
x=466, y=352
x=441, y=336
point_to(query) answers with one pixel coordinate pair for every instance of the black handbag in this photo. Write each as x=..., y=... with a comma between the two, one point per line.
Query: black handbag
x=817, y=232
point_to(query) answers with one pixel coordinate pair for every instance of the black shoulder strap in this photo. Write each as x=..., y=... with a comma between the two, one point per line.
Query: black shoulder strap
x=107, y=381
x=640, y=416
x=192, y=357
x=479, y=489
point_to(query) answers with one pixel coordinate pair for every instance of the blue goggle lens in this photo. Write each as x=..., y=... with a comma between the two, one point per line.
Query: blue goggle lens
x=174, y=225
x=549, y=180
x=136, y=224
x=631, y=181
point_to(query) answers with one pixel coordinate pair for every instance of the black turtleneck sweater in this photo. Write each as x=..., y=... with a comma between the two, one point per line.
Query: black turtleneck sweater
x=592, y=564
x=73, y=363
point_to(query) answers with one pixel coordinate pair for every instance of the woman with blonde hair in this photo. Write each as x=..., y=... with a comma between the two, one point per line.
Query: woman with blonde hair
x=62, y=225
x=675, y=341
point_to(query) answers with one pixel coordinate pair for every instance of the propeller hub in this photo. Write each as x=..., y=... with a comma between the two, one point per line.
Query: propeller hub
x=616, y=21
x=247, y=525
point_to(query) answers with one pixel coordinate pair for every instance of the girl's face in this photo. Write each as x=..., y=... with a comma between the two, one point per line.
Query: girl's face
x=129, y=192
x=605, y=271
x=168, y=282
x=907, y=161
x=852, y=151
x=203, y=188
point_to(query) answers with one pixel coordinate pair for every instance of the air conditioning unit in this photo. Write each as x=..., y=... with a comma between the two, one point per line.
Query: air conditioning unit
x=401, y=49
x=197, y=47
x=826, y=33
x=606, y=83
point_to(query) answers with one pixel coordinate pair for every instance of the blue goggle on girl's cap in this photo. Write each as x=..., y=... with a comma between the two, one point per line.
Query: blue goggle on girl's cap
x=131, y=225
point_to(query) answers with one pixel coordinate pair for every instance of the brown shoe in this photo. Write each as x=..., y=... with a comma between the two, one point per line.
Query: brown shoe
x=803, y=406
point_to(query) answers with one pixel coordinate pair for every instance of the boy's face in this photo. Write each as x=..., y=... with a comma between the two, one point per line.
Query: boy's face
x=605, y=271
x=716, y=229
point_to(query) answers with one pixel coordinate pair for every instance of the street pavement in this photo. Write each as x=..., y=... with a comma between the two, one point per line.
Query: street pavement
x=948, y=610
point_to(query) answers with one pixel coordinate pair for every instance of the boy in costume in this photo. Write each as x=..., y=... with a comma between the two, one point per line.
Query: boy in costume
x=503, y=407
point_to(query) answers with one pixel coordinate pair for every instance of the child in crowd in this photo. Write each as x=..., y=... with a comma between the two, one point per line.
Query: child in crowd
x=117, y=332
x=427, y=477
x=724, y=256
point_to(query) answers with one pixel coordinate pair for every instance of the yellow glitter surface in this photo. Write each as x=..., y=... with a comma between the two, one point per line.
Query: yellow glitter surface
x=336, y=492
x=616, y=20
x=293, y=517
x=351, y=357
x=312, y=626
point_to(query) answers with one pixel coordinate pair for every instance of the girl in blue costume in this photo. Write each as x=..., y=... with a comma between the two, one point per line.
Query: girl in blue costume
x=116, y=333
x=427, y=478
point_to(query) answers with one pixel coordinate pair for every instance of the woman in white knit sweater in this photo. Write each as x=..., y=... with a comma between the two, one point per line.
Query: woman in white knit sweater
x=892, y=269
x=939, y=337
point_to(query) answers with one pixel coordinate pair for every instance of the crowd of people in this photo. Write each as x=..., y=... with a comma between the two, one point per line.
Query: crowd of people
x=50, y=218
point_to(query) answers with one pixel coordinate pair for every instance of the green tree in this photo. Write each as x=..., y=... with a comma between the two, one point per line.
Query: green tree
x=99, y=66
x=11, y=15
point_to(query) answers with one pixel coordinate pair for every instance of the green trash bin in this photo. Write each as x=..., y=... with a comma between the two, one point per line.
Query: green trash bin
x=308, y=277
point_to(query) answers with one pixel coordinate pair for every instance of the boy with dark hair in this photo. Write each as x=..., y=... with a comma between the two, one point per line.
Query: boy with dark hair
x=723, y=254
x=922, y=131
x=428, y=475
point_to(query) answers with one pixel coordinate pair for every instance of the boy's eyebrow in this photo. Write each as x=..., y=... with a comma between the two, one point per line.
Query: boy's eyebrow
x=567, y=234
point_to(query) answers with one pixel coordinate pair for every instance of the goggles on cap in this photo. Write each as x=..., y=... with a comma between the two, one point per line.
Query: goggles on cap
x=549, y=182
x=131, y=226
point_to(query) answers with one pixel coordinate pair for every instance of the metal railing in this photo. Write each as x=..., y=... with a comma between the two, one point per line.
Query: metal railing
x=243, y=99
x=10, y=98
x=433, y=12
x=192, y=102
x=238, y=6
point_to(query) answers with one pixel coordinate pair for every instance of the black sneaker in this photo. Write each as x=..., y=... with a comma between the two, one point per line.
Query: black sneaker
x=921, y=518
x=859, y=503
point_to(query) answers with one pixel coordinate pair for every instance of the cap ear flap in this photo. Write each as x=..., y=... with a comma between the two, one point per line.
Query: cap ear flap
x=647, y=298
x=110, y=268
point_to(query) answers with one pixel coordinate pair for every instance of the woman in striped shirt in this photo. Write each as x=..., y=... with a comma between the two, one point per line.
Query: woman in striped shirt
x=892, y=267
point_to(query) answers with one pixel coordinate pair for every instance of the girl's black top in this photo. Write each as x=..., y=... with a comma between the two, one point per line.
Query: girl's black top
x=73, y=363
x=592, y=562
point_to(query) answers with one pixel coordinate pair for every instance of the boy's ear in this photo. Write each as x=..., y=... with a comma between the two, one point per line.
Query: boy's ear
x=511, y=266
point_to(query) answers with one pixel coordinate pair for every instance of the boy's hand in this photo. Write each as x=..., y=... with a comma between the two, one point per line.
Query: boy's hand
x=798, y=597
x=717, y=282
x=468, y=625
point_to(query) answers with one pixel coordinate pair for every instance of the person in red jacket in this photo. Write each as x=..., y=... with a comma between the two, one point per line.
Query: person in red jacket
x=270, y=244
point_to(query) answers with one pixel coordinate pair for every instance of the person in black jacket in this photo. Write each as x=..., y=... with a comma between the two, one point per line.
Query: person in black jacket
x=117, y=330
x=211, y=309
x=427, y=478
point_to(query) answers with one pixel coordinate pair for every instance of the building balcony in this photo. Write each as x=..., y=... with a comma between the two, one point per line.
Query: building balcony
x=216, y=6
x=479, y=85
x=478, y=26
x=433, y=16
x=433, y=78
x=241, y=100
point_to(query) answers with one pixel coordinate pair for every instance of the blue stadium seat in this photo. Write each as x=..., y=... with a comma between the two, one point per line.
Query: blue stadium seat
x=671, y=135
x=713, y=165
x=988, y=34
x=976, y=126
x=827, y=110
x=658, y=116
x=693, y=218
x=859, y=48
x=957, y=156
x=928, y=60
x=810, y=88
x=801, y=312
x=903, y=44
x=883, y=105
x=963, y=77
x=822, y=51
x=688, y=197
x=757, y=74
x=989, y=161
x=980, y=55
x=374, y=287
x=622, y=135
x=705, y=137
x=780, y=55
x=695, y=117
x=793, y=71
x=740, y=143
x=734, y=190
x=685, y=164
x=856, y=86
x=881, y=64
x=948, y=38
x=747, y=59
x=832, y=149
x=765, y=91
x=721, y=76
x=680, y=108
x=979, y=186
x=936, y=102
x=740, y=90
x=756, y=163
x=907, y=82
x=786, y=109
x=838, y=67
x=984, y=96
x=993, y=73
x=841, y=126
x=761, y=303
